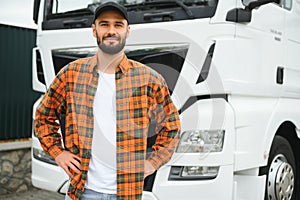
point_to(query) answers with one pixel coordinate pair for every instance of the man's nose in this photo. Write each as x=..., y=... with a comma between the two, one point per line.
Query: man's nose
x=111, y=30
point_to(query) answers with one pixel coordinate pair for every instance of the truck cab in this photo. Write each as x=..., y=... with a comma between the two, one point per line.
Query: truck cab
x=232, y=68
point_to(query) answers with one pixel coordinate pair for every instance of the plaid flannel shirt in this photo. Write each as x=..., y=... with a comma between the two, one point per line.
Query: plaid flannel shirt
x=141, y=94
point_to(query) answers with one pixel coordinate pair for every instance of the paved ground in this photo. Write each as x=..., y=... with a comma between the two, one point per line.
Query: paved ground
x=34, y=194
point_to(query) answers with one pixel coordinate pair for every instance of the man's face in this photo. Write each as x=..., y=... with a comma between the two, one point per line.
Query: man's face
x=111, y=30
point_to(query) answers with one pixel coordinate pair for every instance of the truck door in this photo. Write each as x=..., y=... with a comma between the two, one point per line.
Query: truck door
x=260, y=47
x=291, y=65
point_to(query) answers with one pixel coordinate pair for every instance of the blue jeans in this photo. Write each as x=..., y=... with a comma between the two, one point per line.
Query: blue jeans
x=93, y=195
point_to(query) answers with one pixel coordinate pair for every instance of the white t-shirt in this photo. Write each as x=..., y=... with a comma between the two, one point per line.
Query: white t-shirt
x=102, y=176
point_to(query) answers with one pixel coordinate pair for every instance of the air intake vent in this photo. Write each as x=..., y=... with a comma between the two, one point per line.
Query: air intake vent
x=206, y=66
x=39, y=68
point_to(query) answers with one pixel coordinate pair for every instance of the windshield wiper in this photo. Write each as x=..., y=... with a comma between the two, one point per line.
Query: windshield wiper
x=187, y=10
x=72, y=13
x=92, y=7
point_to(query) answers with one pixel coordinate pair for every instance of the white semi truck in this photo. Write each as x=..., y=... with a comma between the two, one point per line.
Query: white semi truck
x=233, y=70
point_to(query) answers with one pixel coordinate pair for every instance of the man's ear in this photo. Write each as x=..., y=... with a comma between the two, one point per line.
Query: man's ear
x=128, y=31
x=94, y=30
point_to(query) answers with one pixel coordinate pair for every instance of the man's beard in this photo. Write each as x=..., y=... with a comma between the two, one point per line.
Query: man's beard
x=111, y=49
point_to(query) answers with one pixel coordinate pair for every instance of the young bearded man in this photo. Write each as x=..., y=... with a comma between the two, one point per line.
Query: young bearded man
x=108, y=101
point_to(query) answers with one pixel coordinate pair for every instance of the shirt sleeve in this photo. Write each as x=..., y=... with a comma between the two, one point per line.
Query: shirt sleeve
x=47, y=116
x=167, y=129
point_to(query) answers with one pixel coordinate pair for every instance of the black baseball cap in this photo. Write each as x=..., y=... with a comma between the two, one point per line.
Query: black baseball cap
x=111, y=6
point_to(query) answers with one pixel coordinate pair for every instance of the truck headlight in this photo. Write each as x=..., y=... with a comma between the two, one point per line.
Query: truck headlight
x=42, y=156
x=201, y=141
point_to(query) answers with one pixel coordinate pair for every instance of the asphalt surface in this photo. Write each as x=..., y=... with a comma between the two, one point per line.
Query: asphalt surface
x=33, y=194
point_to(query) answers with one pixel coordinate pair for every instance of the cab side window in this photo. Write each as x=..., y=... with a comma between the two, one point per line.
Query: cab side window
x=287, y=4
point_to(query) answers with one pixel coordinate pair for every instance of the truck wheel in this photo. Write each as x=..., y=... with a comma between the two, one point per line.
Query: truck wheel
x=281, y=171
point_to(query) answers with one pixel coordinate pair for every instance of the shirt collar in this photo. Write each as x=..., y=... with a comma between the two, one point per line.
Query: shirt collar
x=124, y=65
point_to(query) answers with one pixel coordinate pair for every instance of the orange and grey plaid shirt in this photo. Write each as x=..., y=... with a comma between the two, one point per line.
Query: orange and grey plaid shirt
x=141, y=95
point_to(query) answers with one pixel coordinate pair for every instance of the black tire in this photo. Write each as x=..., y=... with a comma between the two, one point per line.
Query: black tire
x=281, y=163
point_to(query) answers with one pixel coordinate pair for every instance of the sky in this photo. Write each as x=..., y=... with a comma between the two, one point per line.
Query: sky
x=17, y=13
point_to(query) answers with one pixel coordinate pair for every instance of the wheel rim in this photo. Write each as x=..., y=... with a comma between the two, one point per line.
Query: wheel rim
x=281, y=179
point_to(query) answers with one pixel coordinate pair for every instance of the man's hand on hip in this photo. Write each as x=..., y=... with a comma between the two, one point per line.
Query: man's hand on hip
x=68, y=162
x=148, y=169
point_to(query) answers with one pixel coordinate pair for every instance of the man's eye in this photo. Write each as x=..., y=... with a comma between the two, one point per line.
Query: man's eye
x=103, y=25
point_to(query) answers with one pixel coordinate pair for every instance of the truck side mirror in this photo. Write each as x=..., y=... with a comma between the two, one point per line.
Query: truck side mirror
x=36, y=7
x=239, y=15
x=244, y=14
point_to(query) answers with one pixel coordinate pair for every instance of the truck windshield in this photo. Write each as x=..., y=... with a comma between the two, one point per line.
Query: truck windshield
x=61, y=14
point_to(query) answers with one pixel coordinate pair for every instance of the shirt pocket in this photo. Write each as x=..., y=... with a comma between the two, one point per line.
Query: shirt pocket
x=139, y=111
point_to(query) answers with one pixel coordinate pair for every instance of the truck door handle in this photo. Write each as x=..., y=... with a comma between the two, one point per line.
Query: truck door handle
x=279, y=75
